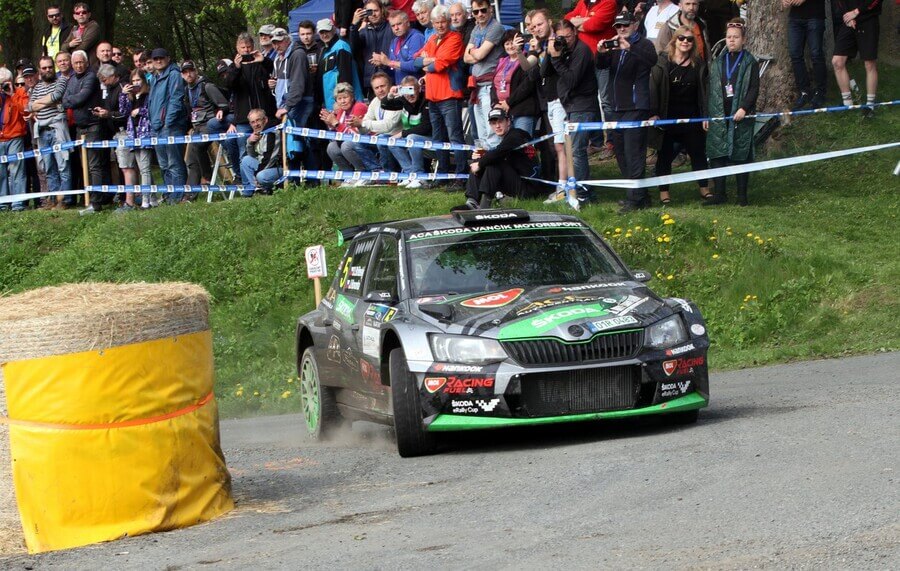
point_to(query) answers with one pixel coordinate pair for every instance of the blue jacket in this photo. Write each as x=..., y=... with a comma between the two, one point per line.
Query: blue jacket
x=166, y=104
x=404, y=50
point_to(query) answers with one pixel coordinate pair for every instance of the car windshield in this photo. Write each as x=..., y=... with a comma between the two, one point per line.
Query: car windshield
x=481, y=261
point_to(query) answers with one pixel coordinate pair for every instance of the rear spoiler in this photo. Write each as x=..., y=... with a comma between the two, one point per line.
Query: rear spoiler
x=490, y=216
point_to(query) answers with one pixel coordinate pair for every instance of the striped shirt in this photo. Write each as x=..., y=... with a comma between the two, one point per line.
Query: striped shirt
x=56, y=90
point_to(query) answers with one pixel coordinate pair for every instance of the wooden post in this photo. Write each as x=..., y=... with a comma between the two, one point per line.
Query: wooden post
x=317, y=288
x=284, y=165
x=84, y=172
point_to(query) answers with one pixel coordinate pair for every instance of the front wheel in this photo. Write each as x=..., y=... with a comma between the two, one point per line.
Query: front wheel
x=320, y=412
x=412, y=439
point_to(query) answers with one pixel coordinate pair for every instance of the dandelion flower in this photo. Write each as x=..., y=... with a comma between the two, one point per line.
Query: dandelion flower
x=713, y=238
x=285, y=394
x=659, y=239
x=749, y=234
x=715, y=221
x=665, y=217
x=670, y=276
x=239, y=393
x=753, y=298
x=628, y=234
x=742, y=308
x=637, y=228
x=669, y=221
x=667, y=239
x=256, y=393
x=715, y=256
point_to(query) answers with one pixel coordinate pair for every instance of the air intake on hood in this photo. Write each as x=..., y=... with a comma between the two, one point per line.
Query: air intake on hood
x=622, y=345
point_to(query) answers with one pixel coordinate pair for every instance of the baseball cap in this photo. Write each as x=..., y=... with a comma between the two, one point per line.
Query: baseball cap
x=623, y=18
x=187, y=64
x=266, y=30
x=497, y=113
x=324, y=25
x=223, y=64
x=28, y=70
x=159, y=52
x=279, y=34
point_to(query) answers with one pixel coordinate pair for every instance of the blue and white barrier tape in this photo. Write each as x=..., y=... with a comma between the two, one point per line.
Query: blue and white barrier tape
x=377, y=140
x=371, y=176
x=136, y=188
x=58, y=148
x=612, y=125
x=736, y=169
x=154, y=141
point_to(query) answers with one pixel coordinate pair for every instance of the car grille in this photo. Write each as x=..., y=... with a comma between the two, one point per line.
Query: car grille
x=554, y=352
x=580, y=391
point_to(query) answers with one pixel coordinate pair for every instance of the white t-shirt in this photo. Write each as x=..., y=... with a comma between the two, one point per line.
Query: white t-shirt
x=657, y=18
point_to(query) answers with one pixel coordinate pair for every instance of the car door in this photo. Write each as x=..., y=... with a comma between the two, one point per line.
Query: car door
x=349, y=310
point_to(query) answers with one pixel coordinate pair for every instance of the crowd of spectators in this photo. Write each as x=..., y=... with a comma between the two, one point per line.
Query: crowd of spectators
x=418, y=70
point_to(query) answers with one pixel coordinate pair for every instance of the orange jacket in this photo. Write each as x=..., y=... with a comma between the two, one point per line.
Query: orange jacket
x=13, y=122
x=598, y=26
x=443, y=78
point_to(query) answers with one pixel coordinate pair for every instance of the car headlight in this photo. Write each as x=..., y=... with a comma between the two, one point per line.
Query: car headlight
x=466, y=349
x=666, y=333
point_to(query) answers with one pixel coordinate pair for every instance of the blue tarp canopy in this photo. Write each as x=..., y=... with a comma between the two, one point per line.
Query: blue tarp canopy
x=315, y=10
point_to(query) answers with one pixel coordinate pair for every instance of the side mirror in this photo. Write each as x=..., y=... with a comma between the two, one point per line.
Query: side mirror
x=642, y=275
x=380, y=296
x=440, y=311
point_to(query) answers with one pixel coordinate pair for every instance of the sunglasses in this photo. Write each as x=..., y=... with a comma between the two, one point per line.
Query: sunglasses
x=734, y=25
x=618, y=26
x=20, y=84
x=688, y=39
x=479, y=10
x=53, y=15
x=81, y=13
x=117, y=54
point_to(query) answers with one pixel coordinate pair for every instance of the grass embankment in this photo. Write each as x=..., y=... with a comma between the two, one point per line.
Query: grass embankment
x=809, y=270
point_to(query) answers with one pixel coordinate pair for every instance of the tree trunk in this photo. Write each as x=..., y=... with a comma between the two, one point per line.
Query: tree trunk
x=767, y=36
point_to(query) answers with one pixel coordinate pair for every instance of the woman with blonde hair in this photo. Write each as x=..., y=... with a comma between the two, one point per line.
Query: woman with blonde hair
x=678, y=90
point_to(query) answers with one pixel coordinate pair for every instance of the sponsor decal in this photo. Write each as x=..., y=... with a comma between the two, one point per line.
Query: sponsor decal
x=674, y=389
x=460, y=406
x=487, y=405
x=434, y=384
x=679, y=367
x=371, y=341
x=698, y=329
x=357, y=271
x=679, y=350
x=349, y=360
x=685, y=306
x=493, y=228
x=432, y=299
x=451, y=368
x=596, y=326
x=497, y=216
x=327, y=303
x=353, y=285
x=576, y=330
x=333, y=353
x=466, y=385
x=585, y=287
x=491, y=300
x=337, y=325
x=554, y=302
x=344, y=307
x=550, y=319
x=345, y=273
x=628, y=304
x=376, y=314
x=369, y=372
x=330, y=295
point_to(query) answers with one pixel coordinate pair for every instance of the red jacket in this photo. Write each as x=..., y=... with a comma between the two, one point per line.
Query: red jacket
x=598, y=26
x=13, y=122
x=443, y=78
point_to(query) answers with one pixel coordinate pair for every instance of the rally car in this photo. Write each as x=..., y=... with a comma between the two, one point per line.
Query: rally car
x=493, y=318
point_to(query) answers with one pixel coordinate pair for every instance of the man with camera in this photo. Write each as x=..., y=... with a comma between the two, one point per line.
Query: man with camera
x=576, y=86
x=370, y=34
x=629, y=57
x=415, y=125
x=13, y=131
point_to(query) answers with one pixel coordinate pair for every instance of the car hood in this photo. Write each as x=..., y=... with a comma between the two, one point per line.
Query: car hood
x=569, y=312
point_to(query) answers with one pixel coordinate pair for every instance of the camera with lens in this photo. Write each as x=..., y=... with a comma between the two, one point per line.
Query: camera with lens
x=560, y=44
x=367, y=12
x=610, y=44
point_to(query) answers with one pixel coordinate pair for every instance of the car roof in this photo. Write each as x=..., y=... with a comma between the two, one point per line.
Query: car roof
x=447, y=221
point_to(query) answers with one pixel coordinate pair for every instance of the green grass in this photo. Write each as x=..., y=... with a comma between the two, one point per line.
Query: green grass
x=824, y=270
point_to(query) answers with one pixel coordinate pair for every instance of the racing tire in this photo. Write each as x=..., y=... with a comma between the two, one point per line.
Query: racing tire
x=412, y=439
x=682, y=418
x=318, y=404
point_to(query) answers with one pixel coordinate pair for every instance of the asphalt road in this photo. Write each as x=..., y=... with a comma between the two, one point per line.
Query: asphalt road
x=791, y=466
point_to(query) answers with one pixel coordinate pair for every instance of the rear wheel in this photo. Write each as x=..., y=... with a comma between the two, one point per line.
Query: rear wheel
x=320, y=413
x=412, y=439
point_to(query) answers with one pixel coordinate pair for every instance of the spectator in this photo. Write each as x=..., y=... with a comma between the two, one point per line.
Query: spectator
x=544, y=75
x=347, y=155
x=657, y=16
x=265, y=41
x=514, y=91
x=64, y=65
x=460, y=21
x=439, y=58
x=13, y=131
x=104, y=55
x=857, y=32
x=168, y=119
x=113, y=114
x=137, y=127
x=82, y=97
x=482, y=53
x=301, y=106
x=379, y=121
x=55, y=32
x=734, y=87
x=415, y=125
x=576, y=85
x=335, y=64
x=206, y=102
x=716, y=14
x=248, y=79
x=806, y=25
x=422, y=9
x=686, y=16
x=370, y=34
x=138, y=60
x=630, y=64
x=118, y=56
x=498, y=172
x=85, y=35
x=400, y=56
x=289, y=68
x=233, y=148
x=51, y=128
x=262, y=164
x=343, y=15
x=678, y=89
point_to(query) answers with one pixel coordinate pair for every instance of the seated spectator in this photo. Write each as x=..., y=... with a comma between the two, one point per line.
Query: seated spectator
x=262, y=163
x=415, y=124
x=514, y=90
x=406, y=43
x=138, y=126
x=347, y=155
x=678, y=89
x=499, y=171
x=336, y=64
x=422, y=9
x=206, y=102
x=13, y=131
x=379, y=121
x=370, y=34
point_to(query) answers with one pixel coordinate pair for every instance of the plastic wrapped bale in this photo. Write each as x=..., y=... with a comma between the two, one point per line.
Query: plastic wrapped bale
x=110, y=427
